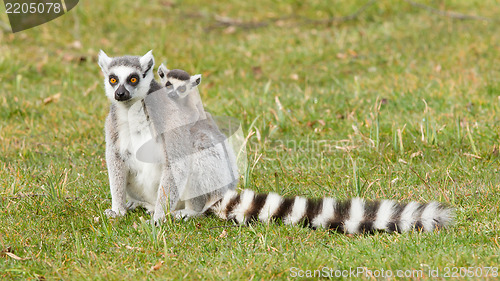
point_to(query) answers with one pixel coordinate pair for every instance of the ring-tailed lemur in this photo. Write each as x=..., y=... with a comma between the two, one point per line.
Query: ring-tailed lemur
x=130, y=79
x=165, y=185
x=127, y=80
x=215, y=164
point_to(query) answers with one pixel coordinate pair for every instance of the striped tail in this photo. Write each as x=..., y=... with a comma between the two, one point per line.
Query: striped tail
x=350, y=216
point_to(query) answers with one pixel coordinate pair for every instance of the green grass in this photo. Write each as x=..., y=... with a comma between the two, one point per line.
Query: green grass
x=399, y=103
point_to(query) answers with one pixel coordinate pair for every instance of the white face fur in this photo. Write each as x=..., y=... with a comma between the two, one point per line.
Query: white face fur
x=127, y=79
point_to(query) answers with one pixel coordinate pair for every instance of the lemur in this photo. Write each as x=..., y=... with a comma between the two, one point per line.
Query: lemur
x=156, y=185
x=129, y=80
x=214, y=167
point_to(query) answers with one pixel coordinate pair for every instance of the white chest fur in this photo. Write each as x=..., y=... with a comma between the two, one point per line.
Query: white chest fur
x=143, y=178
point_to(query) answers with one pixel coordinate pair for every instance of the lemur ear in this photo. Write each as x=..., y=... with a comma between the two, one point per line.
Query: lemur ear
x=147, y=62
x=104, y=61
x=163, y=71
x=196, y=80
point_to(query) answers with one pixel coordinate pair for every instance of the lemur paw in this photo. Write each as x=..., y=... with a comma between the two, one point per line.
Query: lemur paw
x=132, y=206
x=112, y=214
x=185, y=214
x=158, y=219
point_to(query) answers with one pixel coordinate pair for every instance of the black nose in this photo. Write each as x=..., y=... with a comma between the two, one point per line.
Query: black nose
x=121, y=94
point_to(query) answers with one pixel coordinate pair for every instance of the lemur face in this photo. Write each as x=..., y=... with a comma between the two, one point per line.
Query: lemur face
x=127, y=78
x=178, y=81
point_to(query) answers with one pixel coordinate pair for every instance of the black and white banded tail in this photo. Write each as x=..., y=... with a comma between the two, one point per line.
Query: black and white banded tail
x=348, y=216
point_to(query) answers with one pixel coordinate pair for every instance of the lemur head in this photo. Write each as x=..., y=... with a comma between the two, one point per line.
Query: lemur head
x=177, y=80
x=128, y=78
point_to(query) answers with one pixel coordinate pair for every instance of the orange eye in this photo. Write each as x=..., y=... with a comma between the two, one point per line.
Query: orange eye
x=112, y=80
x=133, y=80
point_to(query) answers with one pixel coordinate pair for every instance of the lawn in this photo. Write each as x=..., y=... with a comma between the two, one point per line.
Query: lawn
x=396, y=102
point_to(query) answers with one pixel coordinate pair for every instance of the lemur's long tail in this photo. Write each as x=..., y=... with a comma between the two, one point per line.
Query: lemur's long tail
x=350, y=216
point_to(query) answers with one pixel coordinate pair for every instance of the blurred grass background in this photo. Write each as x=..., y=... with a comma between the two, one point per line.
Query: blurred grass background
x=398, y=103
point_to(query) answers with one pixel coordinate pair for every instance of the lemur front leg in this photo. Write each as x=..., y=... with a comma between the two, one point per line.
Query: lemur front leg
x=168, y=195
x=118, y=172
x=168, y=199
